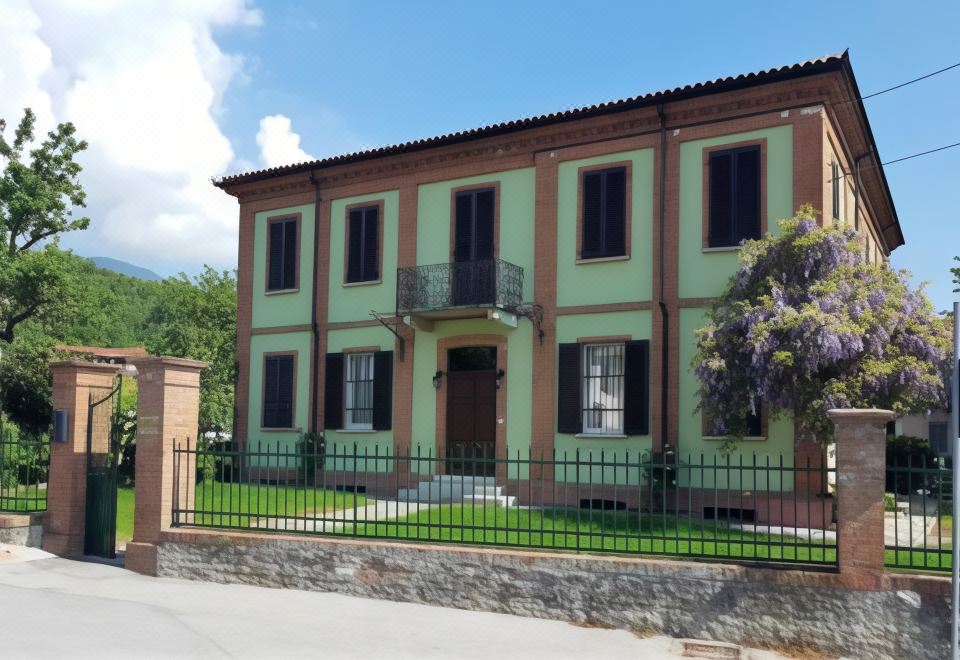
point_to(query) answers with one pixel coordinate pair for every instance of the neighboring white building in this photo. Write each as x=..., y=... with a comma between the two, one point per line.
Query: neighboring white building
x=932, y=426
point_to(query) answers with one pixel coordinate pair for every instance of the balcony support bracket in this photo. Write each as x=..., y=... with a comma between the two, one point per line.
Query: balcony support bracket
x=418, y=322
x=389, y=325
x=503, y=317
x=534, y=312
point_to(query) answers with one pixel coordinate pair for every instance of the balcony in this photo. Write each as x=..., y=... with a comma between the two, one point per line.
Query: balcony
x=466, y=289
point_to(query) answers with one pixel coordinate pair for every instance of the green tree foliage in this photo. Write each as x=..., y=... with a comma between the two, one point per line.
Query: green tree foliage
x=806, y=325
x=37, y=195
x=198, y=319
x=25, y=379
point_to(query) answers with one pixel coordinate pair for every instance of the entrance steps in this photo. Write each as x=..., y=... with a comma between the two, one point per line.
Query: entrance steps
x=446, y=488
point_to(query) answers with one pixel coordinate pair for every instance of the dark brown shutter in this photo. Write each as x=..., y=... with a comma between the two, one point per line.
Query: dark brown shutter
x=747, y=210
x=371, y=221
x=569, y=414
x=271, y=373
x=485, y=206
x=721, y=202
x=285, y=391
x=333, y=392
x=275, y=257
x=355, y=246
x=463, y=228
x=382, y=390
x=636, y=382
x=289, y=254
x=591, y=244
x=614, y=213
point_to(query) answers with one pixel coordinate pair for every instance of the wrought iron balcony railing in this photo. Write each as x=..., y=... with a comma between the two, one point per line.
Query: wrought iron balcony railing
x=484, y=283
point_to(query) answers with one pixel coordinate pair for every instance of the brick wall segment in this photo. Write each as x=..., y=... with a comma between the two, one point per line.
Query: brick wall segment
x=861, y=475
x=168, y=409
x=73, y=382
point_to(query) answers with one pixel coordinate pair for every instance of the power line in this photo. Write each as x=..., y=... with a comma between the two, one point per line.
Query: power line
x=922, y=153
x=909, y=82
x=844, y=175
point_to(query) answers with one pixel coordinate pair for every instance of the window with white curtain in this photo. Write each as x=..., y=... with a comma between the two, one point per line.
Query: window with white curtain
x=358, y=400
x=603, y=388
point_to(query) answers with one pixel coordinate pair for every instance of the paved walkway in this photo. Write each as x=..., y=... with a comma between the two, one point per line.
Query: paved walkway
x=55, y=608
x=335, y=520
x=911, y=531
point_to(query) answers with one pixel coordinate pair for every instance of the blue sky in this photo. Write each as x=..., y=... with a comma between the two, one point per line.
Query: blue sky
x=384, y=74
x=359, y=74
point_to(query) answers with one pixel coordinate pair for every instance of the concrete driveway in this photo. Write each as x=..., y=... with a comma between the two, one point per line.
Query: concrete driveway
x=52, y=607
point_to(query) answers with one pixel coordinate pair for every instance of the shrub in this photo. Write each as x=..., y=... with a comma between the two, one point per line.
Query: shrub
x=311, y=448
x=889, y=502
x=903, y=452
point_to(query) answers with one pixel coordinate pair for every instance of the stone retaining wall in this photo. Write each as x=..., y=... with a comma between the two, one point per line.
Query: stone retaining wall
x=788, y=610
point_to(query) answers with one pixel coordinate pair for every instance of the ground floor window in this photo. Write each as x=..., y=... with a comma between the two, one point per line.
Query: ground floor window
x=603, y=388
x=358, y=391
x=278, y=393
x=358, y=406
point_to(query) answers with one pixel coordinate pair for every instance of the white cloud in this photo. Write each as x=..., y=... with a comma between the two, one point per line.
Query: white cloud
x=279, y=145
x=144, y=84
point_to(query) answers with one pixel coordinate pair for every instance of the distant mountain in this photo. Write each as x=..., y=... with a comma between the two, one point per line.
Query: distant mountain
x=125, y=268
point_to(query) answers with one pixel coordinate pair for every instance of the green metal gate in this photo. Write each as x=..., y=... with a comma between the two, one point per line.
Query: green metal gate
x=103, y=452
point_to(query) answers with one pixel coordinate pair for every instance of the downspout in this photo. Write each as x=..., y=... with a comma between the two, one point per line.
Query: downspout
x=312, y=424
x=664, y=313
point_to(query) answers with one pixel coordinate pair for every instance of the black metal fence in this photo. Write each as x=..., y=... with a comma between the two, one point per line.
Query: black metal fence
x=435, y=287
x=918, y=518
x=760, y=508
x=24, y=467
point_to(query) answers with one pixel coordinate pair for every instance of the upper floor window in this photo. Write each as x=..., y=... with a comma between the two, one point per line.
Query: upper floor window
x=474, y=224
x=604, y=221
x=278, y=391
x=603, y=388
x=836, y=181
x=282, y=249
x=734, y=196
x=363, y=244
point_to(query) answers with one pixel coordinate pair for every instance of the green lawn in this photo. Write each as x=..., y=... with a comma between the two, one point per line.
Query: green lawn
x=23, y=499
x=611, y=531
x=931, y=560
x=125, y=500
x=233, y=505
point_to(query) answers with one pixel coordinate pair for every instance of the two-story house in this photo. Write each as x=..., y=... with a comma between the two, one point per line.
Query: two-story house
x=535, y=285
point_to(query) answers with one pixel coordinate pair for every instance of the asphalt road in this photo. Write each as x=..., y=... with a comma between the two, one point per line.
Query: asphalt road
x=51, y=607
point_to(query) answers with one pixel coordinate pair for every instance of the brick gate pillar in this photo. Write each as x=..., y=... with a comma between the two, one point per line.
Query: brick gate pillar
x=861, y=473
x=168, y=410
x=73, y=382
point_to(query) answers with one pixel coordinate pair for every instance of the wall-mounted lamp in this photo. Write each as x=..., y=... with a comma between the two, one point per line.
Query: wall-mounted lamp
x=499, y=377
x=437, y=379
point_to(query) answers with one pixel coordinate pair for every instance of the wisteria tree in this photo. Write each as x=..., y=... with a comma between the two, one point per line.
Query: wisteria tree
x=806, y=325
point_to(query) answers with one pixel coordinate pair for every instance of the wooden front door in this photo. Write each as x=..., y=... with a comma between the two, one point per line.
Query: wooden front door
x=471, y=422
